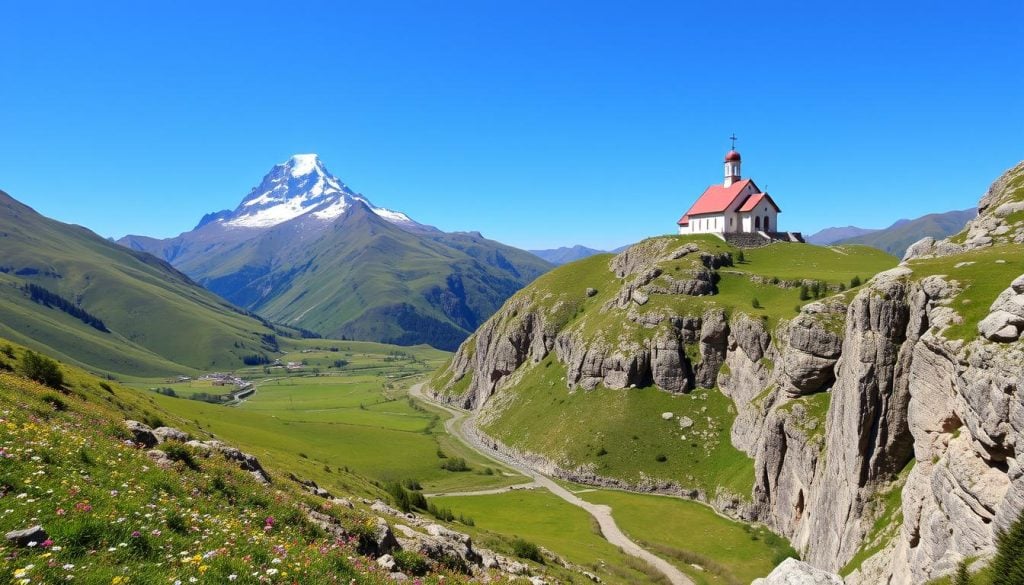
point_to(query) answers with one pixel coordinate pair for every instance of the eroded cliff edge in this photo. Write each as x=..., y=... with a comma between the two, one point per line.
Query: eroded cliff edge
x=882, y=422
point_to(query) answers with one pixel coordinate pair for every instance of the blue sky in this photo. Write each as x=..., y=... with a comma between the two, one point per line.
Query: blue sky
x=537, y=123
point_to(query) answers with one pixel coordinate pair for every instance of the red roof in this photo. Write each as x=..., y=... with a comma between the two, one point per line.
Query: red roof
x=756, y=198
x=732, y=155
x=716, y=199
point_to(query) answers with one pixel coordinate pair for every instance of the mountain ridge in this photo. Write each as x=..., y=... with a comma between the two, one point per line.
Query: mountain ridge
x=304, y=249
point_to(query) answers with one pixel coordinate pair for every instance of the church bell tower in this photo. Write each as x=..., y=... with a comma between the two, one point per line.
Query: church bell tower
x=732, y=164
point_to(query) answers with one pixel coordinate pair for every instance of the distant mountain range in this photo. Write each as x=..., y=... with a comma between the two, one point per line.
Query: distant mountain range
x=304, y=249
x=896, y=238
x=566, y=254
x=76, y=296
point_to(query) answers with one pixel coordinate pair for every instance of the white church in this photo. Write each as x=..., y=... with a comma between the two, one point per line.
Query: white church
x=737, y=206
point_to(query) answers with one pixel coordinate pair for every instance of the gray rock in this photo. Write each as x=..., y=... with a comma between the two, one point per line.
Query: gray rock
x=164, y=434
x=141, y=433
x=685, y=422
x=591, y=291
x=386, y=562
x=794, y=572
x=33, y=534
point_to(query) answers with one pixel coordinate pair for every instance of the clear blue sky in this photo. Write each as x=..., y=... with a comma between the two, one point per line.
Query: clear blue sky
x=538, y=123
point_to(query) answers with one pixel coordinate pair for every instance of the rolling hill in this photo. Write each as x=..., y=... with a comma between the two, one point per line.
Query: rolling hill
x=305, y=250
x=68, y=292
x=566, y=254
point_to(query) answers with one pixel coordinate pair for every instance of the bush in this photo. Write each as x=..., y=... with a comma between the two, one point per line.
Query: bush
x=404, y=499
x=755, y=303
x=962, y=577
x=179, y=452
x=855, y=282
x=443, y=514
x=527, y=550
x=1008, y=565
x=55, y=401
x=456, y=464
x=42, y=369
x=805, y=293
x=410, y=563
x=661, y=458
x=602, y=452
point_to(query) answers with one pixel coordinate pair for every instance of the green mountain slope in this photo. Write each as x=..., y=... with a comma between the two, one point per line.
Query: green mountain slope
x=158, y=321
x=608, y=367
x=304, y=249
x=896, y=238
x=359, y=277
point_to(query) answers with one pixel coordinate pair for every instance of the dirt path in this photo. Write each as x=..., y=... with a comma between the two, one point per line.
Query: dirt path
x=456, y=426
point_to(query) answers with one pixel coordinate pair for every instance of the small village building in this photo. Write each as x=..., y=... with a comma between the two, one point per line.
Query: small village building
x=735, y=207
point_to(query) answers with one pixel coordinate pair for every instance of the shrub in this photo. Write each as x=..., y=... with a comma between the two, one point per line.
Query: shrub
x=42, y=369
x=602, y=452
x=755, y=303
x=527, y=550
x=179, y=452
x=805, y=293
x=55, y=401
x=456, y=464
x=855, y=282
x=661, y=458
x=740, y=257
x=1008, y=565
x=440, y=513
x=411, y=563
x=962, y=577
x=404, y=499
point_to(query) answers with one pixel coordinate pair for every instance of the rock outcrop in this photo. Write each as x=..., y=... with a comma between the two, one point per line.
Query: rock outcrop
x=880, y=425
x=794, y=572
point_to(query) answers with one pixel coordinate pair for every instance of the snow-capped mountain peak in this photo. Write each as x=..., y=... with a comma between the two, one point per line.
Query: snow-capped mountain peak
x=301, y=186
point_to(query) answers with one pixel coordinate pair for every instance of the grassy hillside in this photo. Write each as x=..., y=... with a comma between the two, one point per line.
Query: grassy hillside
x=159, y=322
x=112, y=516
x=621, y=433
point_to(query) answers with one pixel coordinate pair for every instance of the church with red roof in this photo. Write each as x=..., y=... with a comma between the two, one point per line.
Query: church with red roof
x=736, y=206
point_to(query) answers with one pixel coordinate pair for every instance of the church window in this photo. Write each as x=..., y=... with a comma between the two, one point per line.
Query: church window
x=757, y=223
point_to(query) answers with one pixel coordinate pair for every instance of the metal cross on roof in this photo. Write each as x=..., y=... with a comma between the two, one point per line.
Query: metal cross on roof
x=733, y=138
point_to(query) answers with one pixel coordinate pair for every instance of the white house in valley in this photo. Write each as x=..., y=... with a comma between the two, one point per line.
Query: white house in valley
x=737, y=206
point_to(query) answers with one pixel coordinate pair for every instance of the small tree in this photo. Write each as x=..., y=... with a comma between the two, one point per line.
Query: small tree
x=755, y=303
x=1008, y=565
x=855, y=282
x=962, y=576
x=805, y=293
x=42, y=369
x=740, y=258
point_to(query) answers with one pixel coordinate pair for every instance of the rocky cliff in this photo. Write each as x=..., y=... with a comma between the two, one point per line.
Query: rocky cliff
x=883, y=422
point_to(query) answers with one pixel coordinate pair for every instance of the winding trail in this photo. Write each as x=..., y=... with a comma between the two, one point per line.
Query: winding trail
x=603, y=514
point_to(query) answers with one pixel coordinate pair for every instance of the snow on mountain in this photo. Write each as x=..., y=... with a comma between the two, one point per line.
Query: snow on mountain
x=301, y=186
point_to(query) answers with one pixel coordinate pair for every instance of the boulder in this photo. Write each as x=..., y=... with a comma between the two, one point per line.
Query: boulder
x=141, y=433
x=794, y=572
x=164, y=434
x=386, y=562
x=33, y=535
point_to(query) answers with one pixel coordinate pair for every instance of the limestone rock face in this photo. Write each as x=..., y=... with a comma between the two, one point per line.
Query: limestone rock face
x=854, y=400
x=794, y=572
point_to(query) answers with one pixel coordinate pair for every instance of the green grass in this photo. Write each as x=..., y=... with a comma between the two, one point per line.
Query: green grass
x=627, y=424
x=114, y=517
x=346, y=424
x=832, y=264
x=687, y=532
x=981, y=282
x=544, y=519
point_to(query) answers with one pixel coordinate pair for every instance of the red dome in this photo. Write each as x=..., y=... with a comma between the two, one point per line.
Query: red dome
x=732, y=155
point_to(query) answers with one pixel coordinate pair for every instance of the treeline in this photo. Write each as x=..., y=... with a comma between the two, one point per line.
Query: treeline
x=53, y=300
